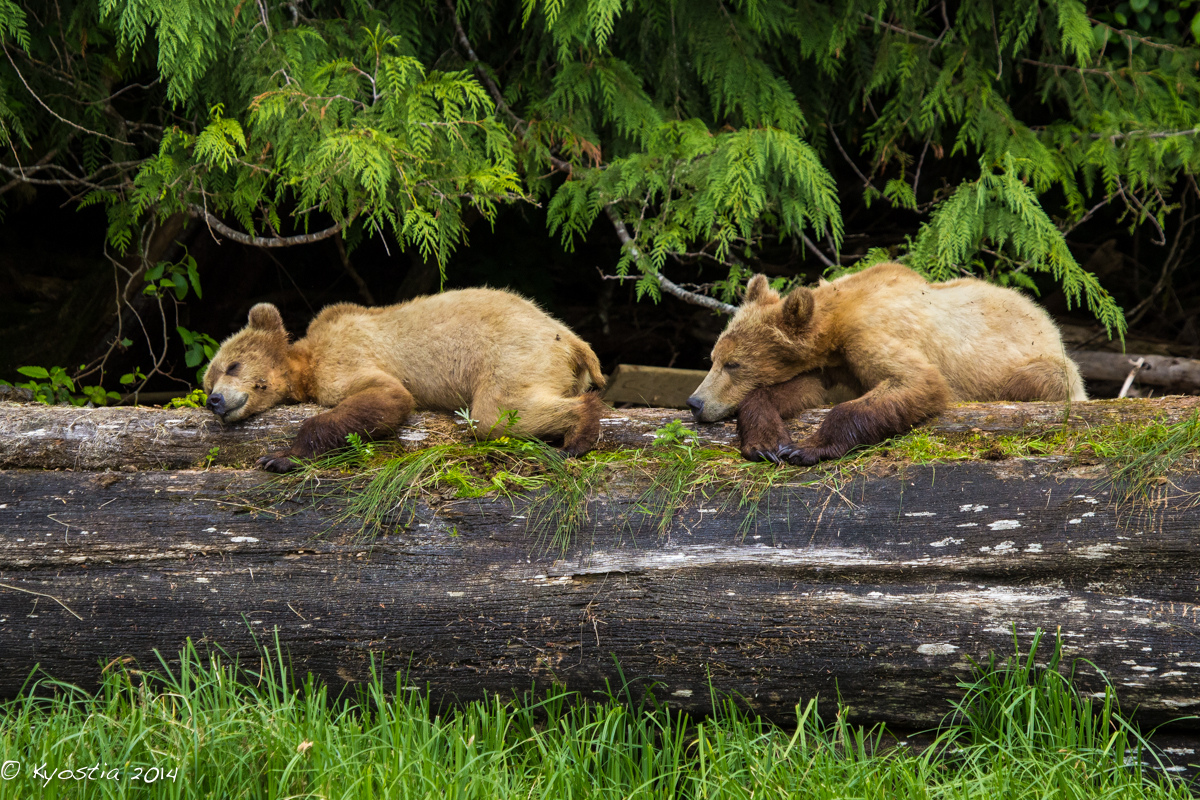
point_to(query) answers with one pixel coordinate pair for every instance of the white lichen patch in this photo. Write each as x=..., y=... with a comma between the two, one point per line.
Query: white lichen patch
x=1182, y=703
x=682, y=693
x=968, y=525
x=920, y=514
x=1097, y=551
x=415, y=436
x=240, y=539
x=969, y=507
x=1034, y=548
x=1004, y=524
x=1075, y=521
x=946, y=542
x=939, y=649
x=454, y=594
x=1004, y=548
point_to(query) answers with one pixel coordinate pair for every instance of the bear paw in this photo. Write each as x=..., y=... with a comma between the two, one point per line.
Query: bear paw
x=756, y=454
x=277, y=462
x=800, y=456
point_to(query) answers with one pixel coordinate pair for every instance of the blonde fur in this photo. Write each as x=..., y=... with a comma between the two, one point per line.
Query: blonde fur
x=902, y=340
x=487, y=350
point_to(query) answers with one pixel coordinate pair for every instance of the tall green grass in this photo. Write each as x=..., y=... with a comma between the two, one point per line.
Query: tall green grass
x=1020, y=732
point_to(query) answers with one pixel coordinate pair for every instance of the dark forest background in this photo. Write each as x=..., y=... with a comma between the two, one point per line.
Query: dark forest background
x=616, y=161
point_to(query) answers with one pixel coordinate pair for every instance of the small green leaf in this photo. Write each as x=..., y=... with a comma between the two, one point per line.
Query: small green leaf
x=34, y=372
x=194, y=276
x=1138, y=5
x=1196, y=27
x=126, y=342
x=127, y=378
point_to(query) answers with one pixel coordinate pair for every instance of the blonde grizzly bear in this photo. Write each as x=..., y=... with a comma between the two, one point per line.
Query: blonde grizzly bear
x=906, y=348
x=483, y=349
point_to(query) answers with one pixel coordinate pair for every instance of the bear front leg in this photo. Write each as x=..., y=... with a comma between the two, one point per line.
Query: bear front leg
x=760, y=416
x=892, y=407
x=371, y=413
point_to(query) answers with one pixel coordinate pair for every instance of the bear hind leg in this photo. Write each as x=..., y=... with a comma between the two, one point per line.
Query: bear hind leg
x=549, y=416
x=1043, y=379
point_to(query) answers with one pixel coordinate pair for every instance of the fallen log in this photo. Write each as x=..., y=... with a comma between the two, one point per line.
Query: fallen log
x=64, y=437
x=878, y=585
x=1178, y=374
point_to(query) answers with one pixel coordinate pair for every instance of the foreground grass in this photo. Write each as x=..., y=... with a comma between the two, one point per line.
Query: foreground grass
x=202, y=729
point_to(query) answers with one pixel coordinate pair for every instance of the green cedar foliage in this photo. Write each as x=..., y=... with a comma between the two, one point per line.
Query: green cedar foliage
x=715, y=133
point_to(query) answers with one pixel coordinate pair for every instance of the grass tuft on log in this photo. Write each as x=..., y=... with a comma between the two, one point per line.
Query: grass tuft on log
x=203, y=727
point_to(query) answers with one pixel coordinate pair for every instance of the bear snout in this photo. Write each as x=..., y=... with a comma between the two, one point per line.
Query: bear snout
x=697, y=406
x=216, y=404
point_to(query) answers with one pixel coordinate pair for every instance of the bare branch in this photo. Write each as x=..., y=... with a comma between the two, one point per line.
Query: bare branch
x=363, y=291
x=811, y=245
x=263, y=241
x=833, y=134
x=668, y=286
x=52, y=111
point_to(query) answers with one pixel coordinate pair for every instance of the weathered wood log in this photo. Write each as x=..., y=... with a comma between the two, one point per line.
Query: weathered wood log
x=875, y=587
x=1177, y=374
x=65, y=437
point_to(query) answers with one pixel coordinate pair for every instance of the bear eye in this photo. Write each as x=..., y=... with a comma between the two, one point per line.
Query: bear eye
x=233, y=368
x=732, y=365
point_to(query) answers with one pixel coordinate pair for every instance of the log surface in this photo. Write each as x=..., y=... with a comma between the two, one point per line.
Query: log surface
x=63, y=437
x=879, y=587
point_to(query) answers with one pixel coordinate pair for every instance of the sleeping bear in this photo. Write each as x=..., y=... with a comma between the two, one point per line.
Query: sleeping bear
x=906, y=348
x=487, y=350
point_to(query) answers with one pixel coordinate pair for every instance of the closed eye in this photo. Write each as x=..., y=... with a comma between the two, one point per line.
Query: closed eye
x=732, y=365
x=233, y=368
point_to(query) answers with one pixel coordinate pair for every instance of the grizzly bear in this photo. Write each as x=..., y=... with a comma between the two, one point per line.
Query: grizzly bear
x=906, y=348
x=486, y=350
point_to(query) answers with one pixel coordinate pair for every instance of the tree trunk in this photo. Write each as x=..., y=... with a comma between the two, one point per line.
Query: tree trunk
x=877, y=585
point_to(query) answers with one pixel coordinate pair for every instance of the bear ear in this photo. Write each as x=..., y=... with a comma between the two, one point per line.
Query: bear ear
x=265, y=317
x=797, y=309
x=759, y=290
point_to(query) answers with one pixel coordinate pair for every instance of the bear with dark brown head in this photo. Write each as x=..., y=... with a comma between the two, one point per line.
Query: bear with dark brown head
x=905, y=348
x=486, y=350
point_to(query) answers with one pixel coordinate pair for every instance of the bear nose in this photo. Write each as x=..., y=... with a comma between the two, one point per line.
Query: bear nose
x=697, y=406
x=216, y=403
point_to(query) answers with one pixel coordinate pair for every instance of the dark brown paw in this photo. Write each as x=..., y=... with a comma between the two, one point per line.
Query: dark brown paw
x=761, y=455
x=277, y=462
x=800, y=456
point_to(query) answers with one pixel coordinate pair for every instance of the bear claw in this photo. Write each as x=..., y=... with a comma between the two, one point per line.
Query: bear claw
x=799, y=456
x=276, y=462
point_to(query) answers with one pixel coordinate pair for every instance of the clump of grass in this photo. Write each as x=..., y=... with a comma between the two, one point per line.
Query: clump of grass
x=1146, y=453
x=1020, y=732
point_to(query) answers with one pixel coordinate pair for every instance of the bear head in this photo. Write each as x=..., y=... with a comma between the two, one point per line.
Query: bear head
x=249, y=372
x=768, y=341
